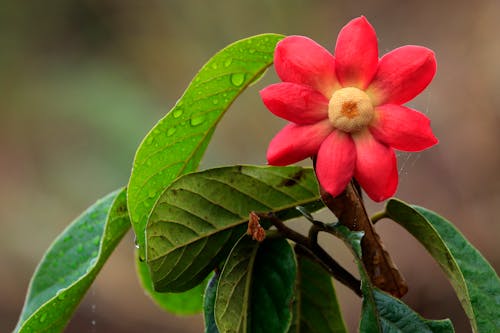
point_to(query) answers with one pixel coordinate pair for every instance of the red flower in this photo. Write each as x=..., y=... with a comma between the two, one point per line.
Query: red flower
x=346, y=109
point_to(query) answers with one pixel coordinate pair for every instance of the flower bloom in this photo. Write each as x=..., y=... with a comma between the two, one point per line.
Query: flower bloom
x=346, y=109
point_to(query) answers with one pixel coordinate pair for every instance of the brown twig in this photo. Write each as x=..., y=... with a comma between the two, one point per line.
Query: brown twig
x=316, y=252
x=349, y=209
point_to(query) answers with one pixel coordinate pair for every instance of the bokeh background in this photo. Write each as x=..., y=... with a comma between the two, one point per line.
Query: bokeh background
x=82, y=81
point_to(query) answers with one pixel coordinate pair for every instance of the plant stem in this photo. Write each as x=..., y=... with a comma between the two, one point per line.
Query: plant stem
x=316, y=252
x=378, y=216
x=351, y=212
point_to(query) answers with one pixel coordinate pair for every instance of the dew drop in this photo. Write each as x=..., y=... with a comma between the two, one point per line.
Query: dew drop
x=150, y=140
x=178, y=113
x=228, y=62
x=93, y=261
x=214, y=65
x=237, y=79
x=251, y=51
x=43, y=317
x=215, y=101
x=79, y=248
x=171, y=131
x=197, y=120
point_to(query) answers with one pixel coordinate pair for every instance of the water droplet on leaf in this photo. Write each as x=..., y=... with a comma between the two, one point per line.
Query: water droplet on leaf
x=237, y=79
x=197, y=120
x=43, y=317
x=171, y=131
x=178, y=113
x=228, y=62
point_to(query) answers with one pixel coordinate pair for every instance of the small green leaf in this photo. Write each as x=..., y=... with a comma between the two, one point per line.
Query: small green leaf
x=316, y=309
x=185, y=303
x=176, y=144
x=256, y=287
x=200, y=216
x=71, y=264
x=474, y=280
x=380, y=311
x=209, y=304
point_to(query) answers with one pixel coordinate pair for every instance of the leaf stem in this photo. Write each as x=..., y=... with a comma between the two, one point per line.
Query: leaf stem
x=311, y=248
x=378, y=216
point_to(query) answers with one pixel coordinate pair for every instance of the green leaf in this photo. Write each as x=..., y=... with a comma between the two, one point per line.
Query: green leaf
x=71, y=264
x=177, y=142
x=209, y=304
x=316, y=309
x=395, y=316
x=474, y=280
x=185, y=303
x=200, y=216
x=256, y=287
x=380, y=311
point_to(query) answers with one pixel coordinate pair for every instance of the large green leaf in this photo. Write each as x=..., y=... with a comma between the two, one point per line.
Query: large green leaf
x=256, y=287
x=200, y=216
x=380, y=311
x=316, y=309
x=185, y=303
x=71, y=264
x=177, y=142
x=474, y=280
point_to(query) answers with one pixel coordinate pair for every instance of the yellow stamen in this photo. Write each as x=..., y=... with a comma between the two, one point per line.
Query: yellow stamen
x=350, y=109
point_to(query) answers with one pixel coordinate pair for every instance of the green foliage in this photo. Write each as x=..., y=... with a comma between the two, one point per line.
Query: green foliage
x=188, y=224
x=316, y=309
x=186, y=303
x=176, y=144
x=71, y=264
x=209, y=304
x=476, y=283
x=381, y=312
x=256, y=287
x=200, y=216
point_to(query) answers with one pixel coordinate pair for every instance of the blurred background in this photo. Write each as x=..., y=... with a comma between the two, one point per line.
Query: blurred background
x=82, y=81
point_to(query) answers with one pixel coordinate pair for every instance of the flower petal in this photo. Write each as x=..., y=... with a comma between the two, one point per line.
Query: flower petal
x=402, y=74
x=335, y=162
x=356, y=53
x=402, y=128
x=299, y=59
x=295, y=102
x=297, y=142
x=376, y=167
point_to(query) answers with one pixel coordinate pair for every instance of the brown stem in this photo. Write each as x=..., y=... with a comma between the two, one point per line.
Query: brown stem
x=317, y=253
x=349, y=209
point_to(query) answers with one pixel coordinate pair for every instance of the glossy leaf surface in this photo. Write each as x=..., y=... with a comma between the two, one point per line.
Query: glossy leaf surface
x=209, y=304
x=476, y=283
x=380, y=311
x=71, y=264
x=316, y=309
x=177, y=142
x=185, y=303
x=256, y=287
x=200, y=216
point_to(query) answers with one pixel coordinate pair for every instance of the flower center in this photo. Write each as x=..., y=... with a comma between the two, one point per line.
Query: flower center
x=350, y=109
